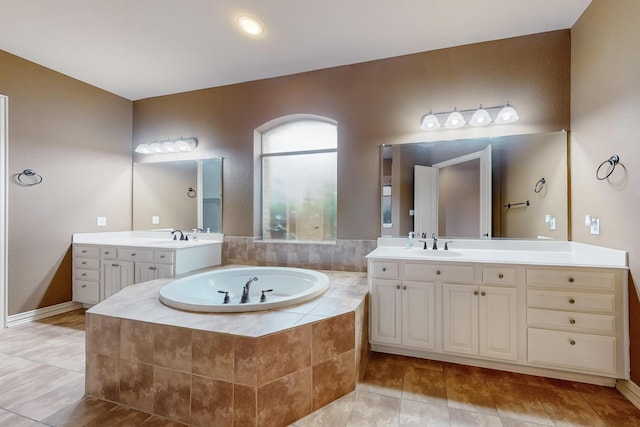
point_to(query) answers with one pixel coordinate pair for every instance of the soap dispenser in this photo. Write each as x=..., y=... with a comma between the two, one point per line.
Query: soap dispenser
x=410, y=239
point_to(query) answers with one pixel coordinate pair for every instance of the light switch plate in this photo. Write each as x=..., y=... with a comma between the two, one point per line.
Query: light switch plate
x=101, y=221
x=595, y=226
x=155, y=219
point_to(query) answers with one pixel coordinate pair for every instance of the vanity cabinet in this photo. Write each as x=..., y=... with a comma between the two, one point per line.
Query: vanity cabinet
x=102, y=270
x=404, y=313
x=562, y=322
x=480, y=320
x=573, y=321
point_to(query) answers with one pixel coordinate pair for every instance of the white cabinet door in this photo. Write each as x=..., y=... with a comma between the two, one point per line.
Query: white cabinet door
x=116, y=275
x=460, y=318
x=497, y=322
x=419, y=315
x=164, y=270
x=386, y=301
x=145, y=271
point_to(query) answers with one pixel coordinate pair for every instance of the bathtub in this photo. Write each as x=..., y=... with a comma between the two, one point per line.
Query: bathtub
x=206, y=292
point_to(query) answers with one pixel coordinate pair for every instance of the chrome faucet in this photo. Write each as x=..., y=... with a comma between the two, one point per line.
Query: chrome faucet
x=182, y=235
x=435, y=241
x=245, y=290
x=195, y=233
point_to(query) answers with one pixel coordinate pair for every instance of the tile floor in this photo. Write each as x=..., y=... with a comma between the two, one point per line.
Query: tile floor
x=42, y=384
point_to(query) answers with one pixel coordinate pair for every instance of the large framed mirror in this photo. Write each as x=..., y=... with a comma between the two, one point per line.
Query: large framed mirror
x=501, y=187
x=182, y=194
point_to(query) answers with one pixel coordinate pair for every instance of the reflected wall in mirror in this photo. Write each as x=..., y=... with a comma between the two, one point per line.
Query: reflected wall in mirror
x=183, y=194
x=475, y=196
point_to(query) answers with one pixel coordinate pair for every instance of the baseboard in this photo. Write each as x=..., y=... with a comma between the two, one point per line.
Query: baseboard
x=630, y=390
x=41, y=313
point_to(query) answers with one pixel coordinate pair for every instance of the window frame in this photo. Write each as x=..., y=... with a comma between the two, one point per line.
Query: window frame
x=258, y=183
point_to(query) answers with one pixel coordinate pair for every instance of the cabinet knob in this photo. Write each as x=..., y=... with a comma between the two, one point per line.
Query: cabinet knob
x=572, y=321
x=115, y=265
x=404, y=287
x=384, y=269
x=84, y=251
x=83, y=286
x=500, y=276
x=438, y=272
x=571, y=280
x=161, y=256
x=397, y=286
x=572, y=342
x=84, y=274
x=475, y=292
x=572, y=301
x=483, y=293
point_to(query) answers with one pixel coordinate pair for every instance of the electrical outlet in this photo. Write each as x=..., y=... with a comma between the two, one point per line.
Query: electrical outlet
x=155, y=219
x=101, y=221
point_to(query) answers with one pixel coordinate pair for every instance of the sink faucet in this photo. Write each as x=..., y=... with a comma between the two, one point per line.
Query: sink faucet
x=195, y=233
x=245, y=290
x=182, y=235
x=435, y=241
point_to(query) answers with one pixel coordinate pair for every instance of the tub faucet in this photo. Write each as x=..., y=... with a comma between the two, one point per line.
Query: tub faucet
x=245, y=290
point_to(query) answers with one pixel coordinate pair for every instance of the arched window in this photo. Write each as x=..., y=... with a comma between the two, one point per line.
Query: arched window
x=299, y=180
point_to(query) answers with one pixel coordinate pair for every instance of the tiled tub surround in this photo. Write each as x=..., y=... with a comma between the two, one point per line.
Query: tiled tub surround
x=259, y=369
x=344, y=255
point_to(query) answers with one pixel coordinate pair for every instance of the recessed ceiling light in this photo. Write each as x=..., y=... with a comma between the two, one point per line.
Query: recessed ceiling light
x=250, y=25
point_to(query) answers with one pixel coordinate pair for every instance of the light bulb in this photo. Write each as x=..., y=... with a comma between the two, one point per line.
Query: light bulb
x=455, y=120
x=250, y=25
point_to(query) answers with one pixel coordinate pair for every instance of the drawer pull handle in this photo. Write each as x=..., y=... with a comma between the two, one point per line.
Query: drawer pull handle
x=572, y=342
x=475, y=292
x=571, y=280
x=84, y=251
x=572, y=301
x=384, y=269
x=83, y=274
x=572, y=321
x=83, y=286
x=438, y=272
x=397, y=286
x=107, y=252
x=133, y=254
x=483, y=293
x=115, y=265
x=500, y=276
x=84, y=262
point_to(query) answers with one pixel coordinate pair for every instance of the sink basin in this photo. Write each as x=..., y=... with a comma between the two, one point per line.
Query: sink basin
x=437, y=254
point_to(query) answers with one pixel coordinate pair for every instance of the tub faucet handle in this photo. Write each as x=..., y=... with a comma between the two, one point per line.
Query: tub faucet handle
x=263, y=298
x=446, y=245
x=226, y=296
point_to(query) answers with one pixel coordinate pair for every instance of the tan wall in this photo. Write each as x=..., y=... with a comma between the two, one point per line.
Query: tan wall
x=374, y=103
x=605, y=94
x=79, y=139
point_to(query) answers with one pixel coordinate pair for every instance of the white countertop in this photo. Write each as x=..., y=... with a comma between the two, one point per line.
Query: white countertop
x=161, y=239
x=524, y=252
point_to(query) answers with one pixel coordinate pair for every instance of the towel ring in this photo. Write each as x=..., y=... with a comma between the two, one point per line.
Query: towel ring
x=191, y=193
x=37, y=179
x=540, y=185
x=613, y=161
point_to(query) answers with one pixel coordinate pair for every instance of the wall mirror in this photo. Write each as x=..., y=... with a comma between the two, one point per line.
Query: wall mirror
x=501, y=187
x=183, y=194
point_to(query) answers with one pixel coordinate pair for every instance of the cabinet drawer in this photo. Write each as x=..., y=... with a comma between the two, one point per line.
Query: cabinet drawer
x=87, y=263
x=573, y=279
x=109, y=252
x=86, y=251
x=434, y=272
x=573, y=301
x=86, y=292
x=572, y=350
x=385, y=270
x=500, y=275
x=569, y=321
x=82, y=274
x=163, y=257
x=135, y=254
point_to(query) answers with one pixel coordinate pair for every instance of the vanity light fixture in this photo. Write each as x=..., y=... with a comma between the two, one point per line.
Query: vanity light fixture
x=480, y=117
x=179, y=145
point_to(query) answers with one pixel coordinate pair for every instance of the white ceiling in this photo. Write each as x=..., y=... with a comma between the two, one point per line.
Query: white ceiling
x=143, y=48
